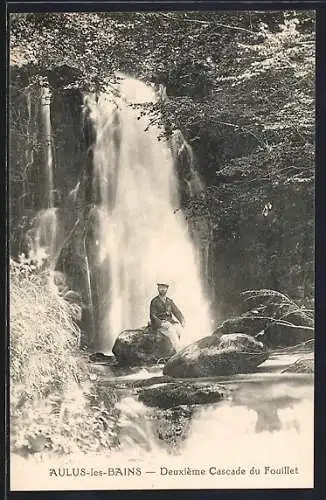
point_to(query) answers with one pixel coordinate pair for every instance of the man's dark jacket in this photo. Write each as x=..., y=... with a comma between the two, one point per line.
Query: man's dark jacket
x=163, y=310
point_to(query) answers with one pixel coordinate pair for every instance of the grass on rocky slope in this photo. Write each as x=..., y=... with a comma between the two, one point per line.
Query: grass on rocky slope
x=54, y=406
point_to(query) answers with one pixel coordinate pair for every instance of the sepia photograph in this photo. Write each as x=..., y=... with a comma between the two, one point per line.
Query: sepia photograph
x=161, y=171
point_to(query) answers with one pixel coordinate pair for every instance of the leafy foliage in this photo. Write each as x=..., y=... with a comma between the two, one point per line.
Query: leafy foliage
x=244, y=76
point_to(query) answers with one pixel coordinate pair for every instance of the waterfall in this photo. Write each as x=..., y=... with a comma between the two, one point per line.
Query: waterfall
x=42, y=237
x=47, y=145
x=143, y=237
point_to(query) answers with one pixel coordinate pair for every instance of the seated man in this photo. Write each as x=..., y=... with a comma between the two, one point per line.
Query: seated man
x=162, y=310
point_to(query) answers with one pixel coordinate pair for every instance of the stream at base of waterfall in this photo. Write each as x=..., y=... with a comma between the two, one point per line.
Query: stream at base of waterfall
x=260, y=437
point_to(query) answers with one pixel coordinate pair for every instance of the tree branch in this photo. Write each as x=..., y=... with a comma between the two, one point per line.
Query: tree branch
x=207, y=23
x=284, y=323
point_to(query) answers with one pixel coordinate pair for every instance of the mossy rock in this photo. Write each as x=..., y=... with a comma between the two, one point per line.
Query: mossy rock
x=174, y=394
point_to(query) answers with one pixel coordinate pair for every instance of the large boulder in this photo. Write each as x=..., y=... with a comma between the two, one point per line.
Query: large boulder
x=247, y=323
x=276, y=325
x=283, y=335
x=179, y=393
x=214, y=356
x=142, y=347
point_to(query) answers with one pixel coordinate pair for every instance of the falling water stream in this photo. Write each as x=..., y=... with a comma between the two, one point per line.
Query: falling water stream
x=42, y=238
x=143, y=237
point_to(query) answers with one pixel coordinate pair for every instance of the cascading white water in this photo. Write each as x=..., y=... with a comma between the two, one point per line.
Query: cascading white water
x=143, y=237
x=47, y=145
x=266, y=427
x=43, y=236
